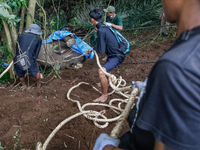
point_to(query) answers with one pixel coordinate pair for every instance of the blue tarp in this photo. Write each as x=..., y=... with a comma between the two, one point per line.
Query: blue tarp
x=81, y=48
x=5, y=64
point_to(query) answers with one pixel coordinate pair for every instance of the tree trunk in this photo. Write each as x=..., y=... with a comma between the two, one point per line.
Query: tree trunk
x=10, y=46
x=31, y=13
x=21, y=27
x=8, y=37
x=12, y=34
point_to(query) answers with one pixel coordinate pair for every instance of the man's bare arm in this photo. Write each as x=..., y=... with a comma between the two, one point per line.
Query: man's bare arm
x=118, y=27
x=161, y=14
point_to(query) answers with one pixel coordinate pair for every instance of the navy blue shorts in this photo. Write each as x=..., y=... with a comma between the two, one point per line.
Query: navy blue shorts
x=32, y=71
x=111, y=63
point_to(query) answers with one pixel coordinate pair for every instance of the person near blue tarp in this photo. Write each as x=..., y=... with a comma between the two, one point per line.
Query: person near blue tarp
x=24, y=40
x=66, y=27
x=106, y=43
x=167, y=113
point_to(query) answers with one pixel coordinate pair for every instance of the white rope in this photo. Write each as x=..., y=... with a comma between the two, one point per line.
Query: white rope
x=39, y=144
x=10, y=65
x=119, y=86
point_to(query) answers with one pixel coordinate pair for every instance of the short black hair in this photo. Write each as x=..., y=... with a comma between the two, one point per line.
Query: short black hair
x=96, y=14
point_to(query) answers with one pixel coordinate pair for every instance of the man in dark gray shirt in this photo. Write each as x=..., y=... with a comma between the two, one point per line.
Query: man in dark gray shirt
x=167, y=113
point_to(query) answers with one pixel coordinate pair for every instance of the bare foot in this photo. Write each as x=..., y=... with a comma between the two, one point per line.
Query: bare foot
x=101, y=99
x=23, y=88
x=39, y=85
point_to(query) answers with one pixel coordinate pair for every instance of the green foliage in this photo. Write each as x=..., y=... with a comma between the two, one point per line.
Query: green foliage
x=6, y=54
x=10, y=18
x=2, y=148
x=56, y=67
x=4, y=12
x=141, y=13
x=55, y=22
x=16, y=138
x=81, y=16
x=134, y=13
x=4, y=50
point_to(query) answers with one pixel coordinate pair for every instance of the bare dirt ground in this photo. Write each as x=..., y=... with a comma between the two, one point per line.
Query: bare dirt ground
x=27, y=117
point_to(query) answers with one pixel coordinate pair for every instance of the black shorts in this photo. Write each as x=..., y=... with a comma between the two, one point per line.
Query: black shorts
x=32, y=71
x=111, y=63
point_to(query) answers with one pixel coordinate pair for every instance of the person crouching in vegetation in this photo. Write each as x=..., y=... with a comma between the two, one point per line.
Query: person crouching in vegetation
x=28, y=45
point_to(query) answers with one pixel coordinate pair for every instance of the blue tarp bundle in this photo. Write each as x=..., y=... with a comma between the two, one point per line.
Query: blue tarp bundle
x=81, y=47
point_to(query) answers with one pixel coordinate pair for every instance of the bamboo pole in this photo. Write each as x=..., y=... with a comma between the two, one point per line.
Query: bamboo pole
x=119, y=125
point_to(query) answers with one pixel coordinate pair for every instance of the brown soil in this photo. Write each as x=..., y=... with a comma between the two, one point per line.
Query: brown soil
x=35, y=113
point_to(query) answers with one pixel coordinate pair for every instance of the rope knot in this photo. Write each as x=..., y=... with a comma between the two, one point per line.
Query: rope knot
x=113, y=79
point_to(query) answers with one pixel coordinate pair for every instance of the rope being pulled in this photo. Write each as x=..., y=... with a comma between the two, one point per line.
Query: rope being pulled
x=96, y=116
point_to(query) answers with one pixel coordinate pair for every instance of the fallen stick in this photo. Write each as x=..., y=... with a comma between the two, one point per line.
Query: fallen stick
x=119, y=125
x=6, y=69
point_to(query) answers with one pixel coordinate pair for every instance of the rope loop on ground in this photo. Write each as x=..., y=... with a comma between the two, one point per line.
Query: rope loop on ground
x=119, y=86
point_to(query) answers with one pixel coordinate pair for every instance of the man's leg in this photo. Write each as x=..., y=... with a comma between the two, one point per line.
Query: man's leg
x=110, y=64
x=104, y=86
x=167, y=28
x=162, y=23
x=38, y=79
x=22, y=80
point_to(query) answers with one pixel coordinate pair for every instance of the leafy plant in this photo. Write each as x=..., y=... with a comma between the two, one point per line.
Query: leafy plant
x=81, y=16
x=6, y=77
x=16, y=138
x=2, y=148
x=53, y=22
x=4, y=11
x=141, y=13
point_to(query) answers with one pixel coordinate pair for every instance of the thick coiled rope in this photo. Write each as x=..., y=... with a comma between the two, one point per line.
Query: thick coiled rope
x=119, y=86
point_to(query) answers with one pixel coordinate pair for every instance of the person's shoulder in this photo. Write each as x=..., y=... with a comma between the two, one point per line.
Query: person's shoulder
x=118, y=16
x=103, y=28
x=183, y=53
x=38, y=39
x=22, y=34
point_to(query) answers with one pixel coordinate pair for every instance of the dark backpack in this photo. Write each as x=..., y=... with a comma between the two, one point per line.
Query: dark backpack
x=123, y=43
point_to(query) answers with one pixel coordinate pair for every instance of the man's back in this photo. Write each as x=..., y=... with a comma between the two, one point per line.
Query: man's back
x=170, y=105
x=107, y=42
x=25, y=40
